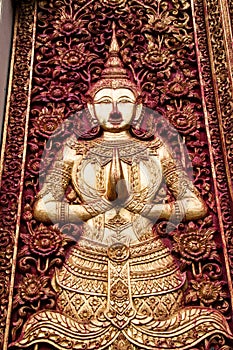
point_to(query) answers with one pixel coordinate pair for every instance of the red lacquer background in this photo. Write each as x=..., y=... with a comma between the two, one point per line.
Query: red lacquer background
x=159, y=50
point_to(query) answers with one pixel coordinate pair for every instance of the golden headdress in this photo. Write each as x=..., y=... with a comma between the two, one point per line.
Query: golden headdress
x=114, y=74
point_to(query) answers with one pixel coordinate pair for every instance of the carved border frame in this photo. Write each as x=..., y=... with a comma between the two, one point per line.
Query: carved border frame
x=14, y=146
x=214, y=54
x=213, y=36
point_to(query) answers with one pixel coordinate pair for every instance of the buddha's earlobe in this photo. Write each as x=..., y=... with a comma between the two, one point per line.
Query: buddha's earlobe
x=138, y=115
x=91, y=110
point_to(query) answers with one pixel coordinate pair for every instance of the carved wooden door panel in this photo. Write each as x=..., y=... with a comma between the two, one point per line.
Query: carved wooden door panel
x=179, y=55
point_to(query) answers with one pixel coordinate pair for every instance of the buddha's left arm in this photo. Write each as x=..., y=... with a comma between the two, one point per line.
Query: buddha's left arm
x=188, y=204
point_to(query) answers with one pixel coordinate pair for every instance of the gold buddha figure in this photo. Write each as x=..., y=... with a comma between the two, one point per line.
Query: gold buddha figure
x=120, y=287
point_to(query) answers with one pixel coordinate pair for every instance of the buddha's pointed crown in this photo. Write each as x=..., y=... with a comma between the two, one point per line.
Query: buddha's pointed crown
x=114, y=74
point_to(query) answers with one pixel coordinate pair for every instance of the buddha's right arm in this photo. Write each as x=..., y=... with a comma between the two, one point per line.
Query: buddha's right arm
x=51, y=211
x=51, y=207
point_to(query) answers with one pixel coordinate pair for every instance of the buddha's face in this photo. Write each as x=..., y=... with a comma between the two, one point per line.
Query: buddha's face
x=114, y=108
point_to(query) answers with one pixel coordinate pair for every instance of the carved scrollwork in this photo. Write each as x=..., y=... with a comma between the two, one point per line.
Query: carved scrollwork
x=43, y=250
x=220, y=118
x=13, y=142
x=157, y=46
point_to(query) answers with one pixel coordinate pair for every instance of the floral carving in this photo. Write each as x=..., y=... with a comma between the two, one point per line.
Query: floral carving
x=177, y=87
x=85, y=314
x=195, y=246
x=66, y=25
x=45, y=241
x=162, y=23
x=156, y=58
x=184, y=119
x=74, y=58
x=32, y=290
x=118, y=252
x=48, y=119
x=59, y=92
x=206, y=291
x=42, y=241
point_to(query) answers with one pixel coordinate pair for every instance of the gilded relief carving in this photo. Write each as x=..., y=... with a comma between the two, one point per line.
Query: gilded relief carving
x=138, y=297
x=126, y=292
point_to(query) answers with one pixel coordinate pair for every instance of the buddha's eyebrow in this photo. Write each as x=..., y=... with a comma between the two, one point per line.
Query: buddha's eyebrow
x=126, y=98
x=103, y=98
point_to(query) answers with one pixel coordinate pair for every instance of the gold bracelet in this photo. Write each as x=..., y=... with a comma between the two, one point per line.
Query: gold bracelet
x=64, y=212
x=179, y=213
